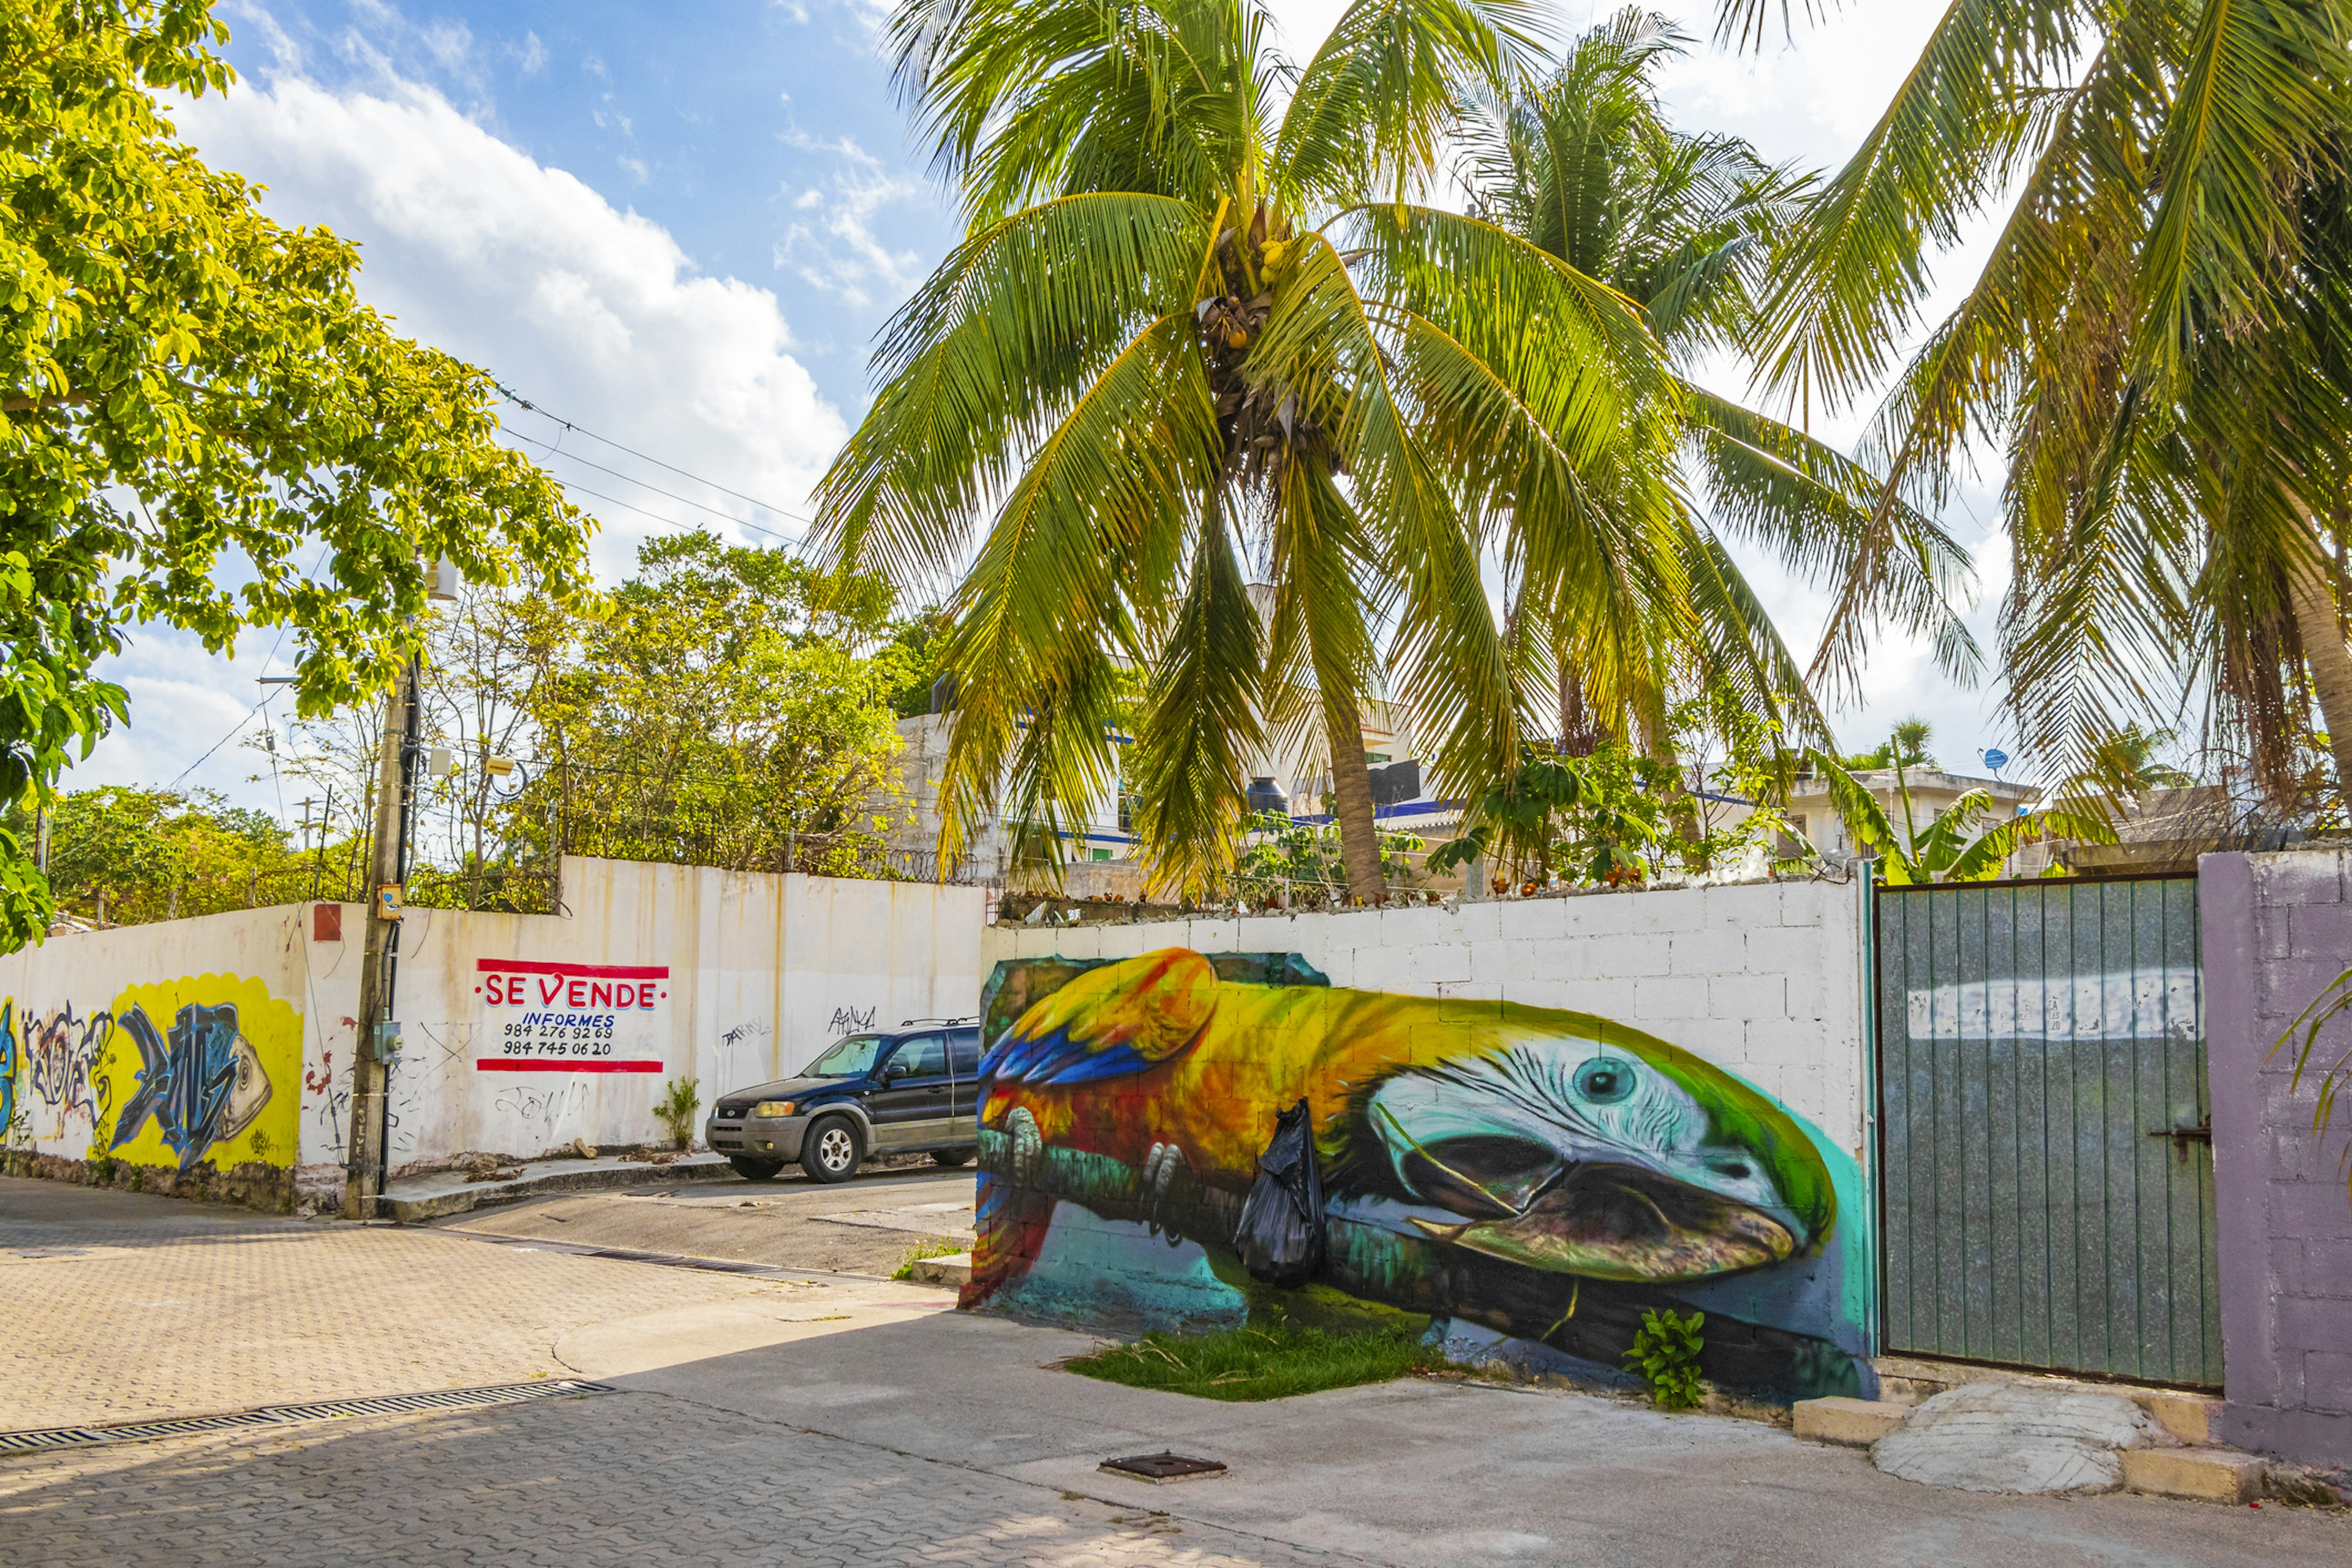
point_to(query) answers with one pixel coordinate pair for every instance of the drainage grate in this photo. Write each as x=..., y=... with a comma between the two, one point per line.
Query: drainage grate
x=287, y=1414
x=1163, y=1467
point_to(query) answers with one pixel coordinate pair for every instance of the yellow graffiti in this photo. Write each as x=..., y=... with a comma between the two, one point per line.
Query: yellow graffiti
x=201, y=1069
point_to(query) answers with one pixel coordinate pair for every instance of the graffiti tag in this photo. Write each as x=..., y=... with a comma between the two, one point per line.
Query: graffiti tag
x=542, y=1109
x=851, y=1021
x=64, y=1050
x=743, y=1034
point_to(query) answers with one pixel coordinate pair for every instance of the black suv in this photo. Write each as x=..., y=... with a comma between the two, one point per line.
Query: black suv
x=907, y=1092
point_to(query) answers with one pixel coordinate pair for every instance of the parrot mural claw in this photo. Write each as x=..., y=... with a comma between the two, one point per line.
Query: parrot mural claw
x=1482, y=1159
x=1027, y=1145
x=1160, y=1169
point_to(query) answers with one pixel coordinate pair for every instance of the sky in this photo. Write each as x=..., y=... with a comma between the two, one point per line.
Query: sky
x=676, y=229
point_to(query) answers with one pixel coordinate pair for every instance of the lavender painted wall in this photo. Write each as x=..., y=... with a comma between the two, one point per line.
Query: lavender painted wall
x=2276, y=928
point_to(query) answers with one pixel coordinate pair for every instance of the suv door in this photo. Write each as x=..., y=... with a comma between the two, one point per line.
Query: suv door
x=963, y=1065
x=913, y=1102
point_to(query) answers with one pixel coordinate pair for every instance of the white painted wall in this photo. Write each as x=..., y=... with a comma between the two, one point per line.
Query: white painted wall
x=1764, y=979
x=762, y=973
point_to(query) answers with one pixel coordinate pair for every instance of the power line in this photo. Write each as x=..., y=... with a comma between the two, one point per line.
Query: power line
x=521, y=402
x=225, y=740
x=791, y=542
x=671, y=521
x=269, y=697
x=555, y=450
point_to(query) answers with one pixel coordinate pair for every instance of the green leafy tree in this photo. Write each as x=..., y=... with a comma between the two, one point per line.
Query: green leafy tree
x=184, y=381
x=1285, y=859
x=1731, y=771
x=1201, y=329
x=1619, y=813
x=1593, y=818
x=729, y=709
x=131, y=855
x=2160, y=339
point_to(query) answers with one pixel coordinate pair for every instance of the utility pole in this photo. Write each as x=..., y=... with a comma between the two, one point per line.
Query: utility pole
x=395, y=769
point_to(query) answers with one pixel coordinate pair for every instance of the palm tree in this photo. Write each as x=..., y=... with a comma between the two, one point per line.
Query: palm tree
x=1200, y=331
x=2124, y=764
x=1904, y=747
x=1584, y=165
x=2162, y=338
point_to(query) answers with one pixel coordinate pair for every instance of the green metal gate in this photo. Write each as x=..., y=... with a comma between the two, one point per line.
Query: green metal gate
x=2046, y=1173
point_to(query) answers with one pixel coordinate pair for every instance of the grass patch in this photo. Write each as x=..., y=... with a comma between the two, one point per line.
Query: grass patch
x=906, y=1270
x=1272, y=1363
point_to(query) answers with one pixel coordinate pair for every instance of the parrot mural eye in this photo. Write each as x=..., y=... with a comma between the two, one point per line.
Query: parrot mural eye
x=1605, y=1080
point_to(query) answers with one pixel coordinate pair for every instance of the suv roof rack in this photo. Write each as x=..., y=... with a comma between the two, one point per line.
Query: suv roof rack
x=910, y=1023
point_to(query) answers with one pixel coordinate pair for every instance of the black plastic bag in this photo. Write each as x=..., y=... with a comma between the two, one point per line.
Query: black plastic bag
x=1281, y=1235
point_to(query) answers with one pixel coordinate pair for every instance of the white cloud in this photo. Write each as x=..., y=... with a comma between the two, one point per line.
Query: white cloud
x=524, y=269
x=835, y=248
x=594, y=313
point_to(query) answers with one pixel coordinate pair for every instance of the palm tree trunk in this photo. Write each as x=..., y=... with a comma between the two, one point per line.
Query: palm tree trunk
x=2317, y=621
x=1578, y=735
x=1352, y=787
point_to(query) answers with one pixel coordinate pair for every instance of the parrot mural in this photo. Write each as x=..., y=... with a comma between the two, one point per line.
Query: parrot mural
x=1547, y=1175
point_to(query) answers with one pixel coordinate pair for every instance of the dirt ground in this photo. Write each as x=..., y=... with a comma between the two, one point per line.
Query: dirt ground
x=868, y=1226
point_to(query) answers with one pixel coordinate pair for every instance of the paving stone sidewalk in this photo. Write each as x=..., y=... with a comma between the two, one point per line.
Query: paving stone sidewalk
x=181, y=1308
x=622, y=1479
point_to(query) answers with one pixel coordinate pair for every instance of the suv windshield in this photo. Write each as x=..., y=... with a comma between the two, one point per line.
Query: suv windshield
x=852, y=1057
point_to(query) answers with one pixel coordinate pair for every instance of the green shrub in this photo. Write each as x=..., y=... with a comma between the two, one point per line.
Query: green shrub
x=906, y=1270
x=1665, y=1355
x=675, y=1109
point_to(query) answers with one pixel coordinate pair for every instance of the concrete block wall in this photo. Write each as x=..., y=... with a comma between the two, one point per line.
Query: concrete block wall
x=733, y=979
x=757, y=975
x=2276, y=930
x=1763, y=979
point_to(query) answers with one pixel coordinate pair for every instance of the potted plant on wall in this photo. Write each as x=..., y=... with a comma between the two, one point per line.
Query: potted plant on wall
x=676, y=1110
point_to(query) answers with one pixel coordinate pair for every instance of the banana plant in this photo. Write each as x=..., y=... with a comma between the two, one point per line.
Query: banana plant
x=1948, y=848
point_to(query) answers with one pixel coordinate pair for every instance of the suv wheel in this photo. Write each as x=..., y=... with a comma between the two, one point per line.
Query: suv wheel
x=831, y=1154
x=755, y=1170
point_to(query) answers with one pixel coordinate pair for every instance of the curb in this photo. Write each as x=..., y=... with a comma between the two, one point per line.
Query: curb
x=477, y=1194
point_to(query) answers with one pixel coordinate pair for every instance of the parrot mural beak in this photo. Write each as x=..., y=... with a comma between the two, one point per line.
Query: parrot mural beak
x=1607, y=1163
x=1619, y=1221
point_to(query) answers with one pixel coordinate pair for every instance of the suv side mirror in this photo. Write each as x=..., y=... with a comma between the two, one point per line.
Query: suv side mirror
x=895, y=1071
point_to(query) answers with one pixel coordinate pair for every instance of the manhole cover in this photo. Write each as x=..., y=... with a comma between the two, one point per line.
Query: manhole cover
x=1163, y=1467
